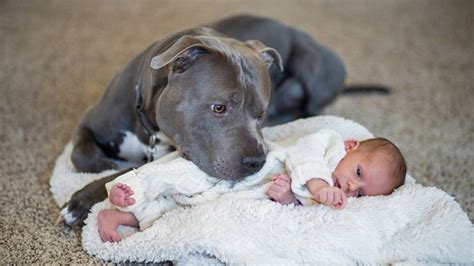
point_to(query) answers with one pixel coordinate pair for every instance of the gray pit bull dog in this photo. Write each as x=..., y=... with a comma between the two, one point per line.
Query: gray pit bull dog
x=205, y=92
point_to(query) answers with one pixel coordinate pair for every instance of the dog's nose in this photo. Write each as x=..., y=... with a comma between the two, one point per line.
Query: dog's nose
x=253, y=163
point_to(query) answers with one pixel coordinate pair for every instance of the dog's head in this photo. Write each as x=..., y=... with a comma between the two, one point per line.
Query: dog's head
x=214, y=101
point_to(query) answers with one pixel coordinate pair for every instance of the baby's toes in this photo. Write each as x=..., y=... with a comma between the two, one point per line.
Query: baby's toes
x=122, y=187
x=115, y=237
x=130, y=201
x=109, y=236
x=129, y=192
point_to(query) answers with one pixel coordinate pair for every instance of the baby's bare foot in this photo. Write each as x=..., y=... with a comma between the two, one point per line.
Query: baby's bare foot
x=108, y=224
x=120, y=195
x=108, y=221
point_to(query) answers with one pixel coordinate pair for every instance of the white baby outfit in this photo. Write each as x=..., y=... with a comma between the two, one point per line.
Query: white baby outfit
x=161, y=185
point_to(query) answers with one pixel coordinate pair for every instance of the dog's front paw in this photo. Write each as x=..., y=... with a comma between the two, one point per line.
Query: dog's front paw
x=76, y=210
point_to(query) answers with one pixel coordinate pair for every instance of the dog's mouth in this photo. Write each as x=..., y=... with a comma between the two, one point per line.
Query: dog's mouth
x=227, y=170
x=185, y=155
x=217, y=168
x=220, y=166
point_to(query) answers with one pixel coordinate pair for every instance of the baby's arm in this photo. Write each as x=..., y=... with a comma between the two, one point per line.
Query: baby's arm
x=313, y=156
x=310, y=162
x=280, y=190
x=323, y=193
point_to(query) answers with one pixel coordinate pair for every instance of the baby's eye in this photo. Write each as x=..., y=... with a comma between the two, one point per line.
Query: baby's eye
x=358, y=172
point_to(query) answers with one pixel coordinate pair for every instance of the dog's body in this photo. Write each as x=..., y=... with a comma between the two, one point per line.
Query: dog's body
x=205, y=95
x=313, y=75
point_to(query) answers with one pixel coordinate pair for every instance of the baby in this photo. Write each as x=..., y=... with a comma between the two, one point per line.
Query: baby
x=323, y=169
x=369, y=168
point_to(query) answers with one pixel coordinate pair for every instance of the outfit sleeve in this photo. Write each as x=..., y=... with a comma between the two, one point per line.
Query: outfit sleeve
x=313, y=156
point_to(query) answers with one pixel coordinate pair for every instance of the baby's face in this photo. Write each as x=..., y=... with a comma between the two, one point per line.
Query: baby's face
x=360, y=174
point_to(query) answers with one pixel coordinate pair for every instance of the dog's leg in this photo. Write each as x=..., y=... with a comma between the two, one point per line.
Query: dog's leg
x=320, y=71
x=286, y=102
x=86, y=155
x=76, y=210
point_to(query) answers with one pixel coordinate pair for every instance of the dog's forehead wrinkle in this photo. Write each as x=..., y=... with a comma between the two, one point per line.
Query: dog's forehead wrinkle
x=244, y=73
x=239, y=56
x=253, y=102
x=221, y=84
x=225, y=93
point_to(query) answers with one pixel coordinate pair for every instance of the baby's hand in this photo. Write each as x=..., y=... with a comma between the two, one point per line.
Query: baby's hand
x=280, y=190
x=120, y=195
x=331, y=196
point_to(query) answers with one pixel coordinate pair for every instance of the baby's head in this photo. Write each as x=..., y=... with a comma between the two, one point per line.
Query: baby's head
x=371, y=167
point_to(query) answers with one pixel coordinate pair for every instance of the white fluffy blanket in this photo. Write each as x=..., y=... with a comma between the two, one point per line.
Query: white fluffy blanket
x=415, y=224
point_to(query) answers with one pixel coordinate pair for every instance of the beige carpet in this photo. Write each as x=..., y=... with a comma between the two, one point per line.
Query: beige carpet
x=56, y=58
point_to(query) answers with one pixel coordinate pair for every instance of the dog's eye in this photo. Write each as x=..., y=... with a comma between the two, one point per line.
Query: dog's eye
x=261, y=115
x=218, y=108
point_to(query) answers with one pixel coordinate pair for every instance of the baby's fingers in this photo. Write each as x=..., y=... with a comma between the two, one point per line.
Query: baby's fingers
x=276, y=194
x=282, y=177
x=337, y=198
x=282, y=183
x=274, y=191
x=275, y=176
x=329, y=197
x=321, y=196
x=275, y=186
x=271, y=192
x=342, y=202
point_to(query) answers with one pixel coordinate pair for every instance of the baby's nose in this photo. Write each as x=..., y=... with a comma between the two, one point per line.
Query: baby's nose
x=353, y=185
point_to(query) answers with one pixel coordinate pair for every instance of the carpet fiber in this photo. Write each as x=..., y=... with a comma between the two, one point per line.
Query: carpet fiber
x=57, y=57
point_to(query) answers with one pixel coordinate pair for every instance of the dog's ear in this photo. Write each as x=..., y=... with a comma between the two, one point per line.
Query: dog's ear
x=180, y=55
x=268, y=54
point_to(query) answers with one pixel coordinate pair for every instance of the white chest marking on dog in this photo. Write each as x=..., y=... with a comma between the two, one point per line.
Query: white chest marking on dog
x=161, y=148
x=132, y=148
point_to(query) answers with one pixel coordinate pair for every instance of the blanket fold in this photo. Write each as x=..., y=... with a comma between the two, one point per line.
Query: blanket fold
x=414, y=224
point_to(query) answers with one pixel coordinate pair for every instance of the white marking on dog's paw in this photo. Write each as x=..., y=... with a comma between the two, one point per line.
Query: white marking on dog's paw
x=67, y=217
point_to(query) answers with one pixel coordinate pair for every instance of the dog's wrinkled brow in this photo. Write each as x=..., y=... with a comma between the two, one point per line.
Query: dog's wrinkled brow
x=241, y=63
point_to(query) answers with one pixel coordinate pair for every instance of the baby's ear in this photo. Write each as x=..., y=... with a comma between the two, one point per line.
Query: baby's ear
x=351, y=144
